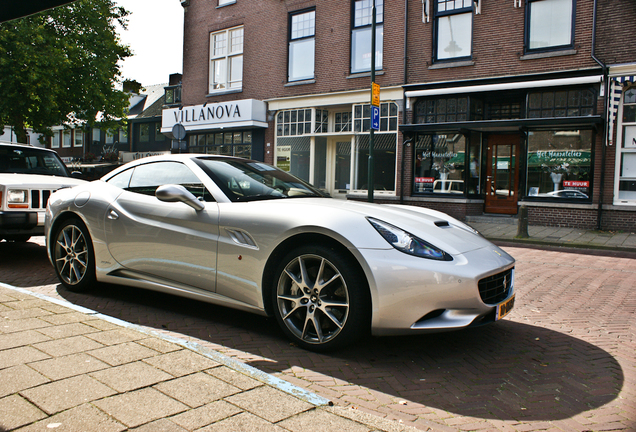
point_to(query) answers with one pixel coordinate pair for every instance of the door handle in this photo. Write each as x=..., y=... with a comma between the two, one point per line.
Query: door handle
x=112, y=215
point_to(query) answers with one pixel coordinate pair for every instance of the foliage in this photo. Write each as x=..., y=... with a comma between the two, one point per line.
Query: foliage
x=60, y=67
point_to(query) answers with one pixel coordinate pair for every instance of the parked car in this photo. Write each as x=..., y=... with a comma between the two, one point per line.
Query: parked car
x=244, y=234
x=28, y=176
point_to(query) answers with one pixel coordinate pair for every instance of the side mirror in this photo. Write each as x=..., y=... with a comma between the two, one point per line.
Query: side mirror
x=177, y=193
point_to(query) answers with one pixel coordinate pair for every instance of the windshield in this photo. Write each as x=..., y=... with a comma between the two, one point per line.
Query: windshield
x=25, y=160
x=245, y=180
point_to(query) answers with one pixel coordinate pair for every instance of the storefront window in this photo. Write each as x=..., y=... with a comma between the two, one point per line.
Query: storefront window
x=384, y=162
x=560, y=164
x=440, y=164
x=237, y=144
x=292, y=155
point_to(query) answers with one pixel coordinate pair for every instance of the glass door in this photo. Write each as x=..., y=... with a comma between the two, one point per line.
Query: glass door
x=502, y=174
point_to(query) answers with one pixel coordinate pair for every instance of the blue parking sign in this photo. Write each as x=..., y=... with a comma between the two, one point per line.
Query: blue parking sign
x=375, y=117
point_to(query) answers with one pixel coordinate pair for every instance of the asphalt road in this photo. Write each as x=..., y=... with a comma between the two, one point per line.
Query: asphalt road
x=564, y=359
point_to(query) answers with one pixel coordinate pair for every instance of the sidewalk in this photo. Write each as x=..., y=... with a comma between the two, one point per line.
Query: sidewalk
x=505, y=230
x=67, y=368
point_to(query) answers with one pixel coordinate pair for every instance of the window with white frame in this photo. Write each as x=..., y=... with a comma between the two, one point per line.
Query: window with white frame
x=549, y=24
x=626, y=154
x=226, y=60
x=388, y=117
x=453, y=29
x=56, y=139
x=361, y=35
x=226, y=2
x=79, y=138
x=302, y=31
x=66, y=139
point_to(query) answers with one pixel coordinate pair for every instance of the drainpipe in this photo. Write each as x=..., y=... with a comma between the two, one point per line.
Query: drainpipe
x=605, y=111
x=405, y=144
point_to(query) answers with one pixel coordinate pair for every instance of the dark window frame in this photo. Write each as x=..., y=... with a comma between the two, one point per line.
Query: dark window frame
x=528, y=18
x=291, y=39
x=354, y=27
x=436, y=27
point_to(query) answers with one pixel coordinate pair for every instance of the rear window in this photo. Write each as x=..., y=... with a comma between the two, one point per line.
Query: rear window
x=19, y=160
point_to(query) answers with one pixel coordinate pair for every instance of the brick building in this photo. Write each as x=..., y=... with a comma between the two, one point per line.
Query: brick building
x=485, y=106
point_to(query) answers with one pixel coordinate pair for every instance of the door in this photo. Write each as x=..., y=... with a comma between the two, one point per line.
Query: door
x=168, y=240
x=502, y=174
x=332, y=165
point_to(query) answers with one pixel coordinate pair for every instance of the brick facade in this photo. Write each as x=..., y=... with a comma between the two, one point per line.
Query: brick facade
x=497, y=57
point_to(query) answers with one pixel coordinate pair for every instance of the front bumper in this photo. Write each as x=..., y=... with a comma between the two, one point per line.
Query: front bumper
x=415, y=295
x=18, y=222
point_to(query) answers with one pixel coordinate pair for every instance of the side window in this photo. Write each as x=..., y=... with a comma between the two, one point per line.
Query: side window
x=453, y=29
x=121, y=180
x=549, y=24
x=147, y=178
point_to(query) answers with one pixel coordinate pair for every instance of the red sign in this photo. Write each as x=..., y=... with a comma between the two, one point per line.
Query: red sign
x=424, y=179
x=574, y=183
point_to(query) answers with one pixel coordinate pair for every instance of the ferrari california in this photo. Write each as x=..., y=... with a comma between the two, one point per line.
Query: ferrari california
x=246, y=235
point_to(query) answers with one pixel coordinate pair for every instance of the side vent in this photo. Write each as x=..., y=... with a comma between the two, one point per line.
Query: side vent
x=242, y=238
x=442, y=224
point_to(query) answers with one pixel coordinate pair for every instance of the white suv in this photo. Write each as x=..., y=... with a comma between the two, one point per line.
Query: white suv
x=28, y=176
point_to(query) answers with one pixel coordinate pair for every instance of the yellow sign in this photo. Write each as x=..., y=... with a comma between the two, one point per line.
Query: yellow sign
x=375, y=94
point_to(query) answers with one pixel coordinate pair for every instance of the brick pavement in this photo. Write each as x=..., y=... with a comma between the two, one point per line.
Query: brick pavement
x=563, y=360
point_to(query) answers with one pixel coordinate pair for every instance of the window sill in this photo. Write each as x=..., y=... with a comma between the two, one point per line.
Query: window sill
x=226, y=4
x=301, y=82
x=224, y=92
x=452, y=64
x=541, y=55
x=364, y=74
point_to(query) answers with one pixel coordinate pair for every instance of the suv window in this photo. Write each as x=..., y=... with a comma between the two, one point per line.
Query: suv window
x=25, y=160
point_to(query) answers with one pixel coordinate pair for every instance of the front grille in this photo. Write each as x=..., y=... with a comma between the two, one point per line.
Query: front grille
x=39, y=198
x=495, y=289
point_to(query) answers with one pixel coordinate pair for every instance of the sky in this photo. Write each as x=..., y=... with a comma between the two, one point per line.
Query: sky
x=155, y=35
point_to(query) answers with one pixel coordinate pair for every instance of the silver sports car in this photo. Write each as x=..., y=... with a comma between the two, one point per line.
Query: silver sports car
x=244, y=234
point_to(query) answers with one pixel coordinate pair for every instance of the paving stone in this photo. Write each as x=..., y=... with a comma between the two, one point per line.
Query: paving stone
x=197, y=389
x=159, y=345
x=114, y=337
x=269, y=403
x=11, y=326
x=242, y=422
x=126, y=407
x=71, y=365
x=24, y=313
x=67, y=318
x=79, y=419
x=21, y=355
x=68, y=393
x=66, y=346
x=67, y=330
x=182, y=362
x=162, y=425
x=17, y=412
x=17, y=378
x=205, y=415
x=235, y=378
x=128, y=352
x=321, y=421
x=14, y=340
x=131, y=376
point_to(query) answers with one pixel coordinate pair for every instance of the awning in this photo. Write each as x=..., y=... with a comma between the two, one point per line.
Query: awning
x=616, y=91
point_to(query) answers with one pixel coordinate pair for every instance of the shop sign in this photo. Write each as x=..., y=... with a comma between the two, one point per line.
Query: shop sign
x=424, y=184
x=214, y=114
x=131, y=156
x=583, y=186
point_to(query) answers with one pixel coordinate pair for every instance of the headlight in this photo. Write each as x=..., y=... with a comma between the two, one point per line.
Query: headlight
x=17, y=198
x=408, y=243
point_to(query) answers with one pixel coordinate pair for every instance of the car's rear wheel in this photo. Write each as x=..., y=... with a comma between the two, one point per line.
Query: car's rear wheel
x=73, y=256
x=321, y=298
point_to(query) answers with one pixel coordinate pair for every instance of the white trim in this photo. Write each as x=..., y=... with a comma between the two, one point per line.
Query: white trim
x=387, y=94
x=506, y=86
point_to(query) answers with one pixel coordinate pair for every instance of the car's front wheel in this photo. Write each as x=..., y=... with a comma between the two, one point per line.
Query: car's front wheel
x=73, y=256
x=321, y=298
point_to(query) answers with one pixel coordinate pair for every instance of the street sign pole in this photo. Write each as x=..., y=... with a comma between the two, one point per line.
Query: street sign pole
x=371, y=182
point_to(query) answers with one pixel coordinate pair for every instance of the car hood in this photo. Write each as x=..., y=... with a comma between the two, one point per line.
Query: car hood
x=36, y=180
x=349, y=219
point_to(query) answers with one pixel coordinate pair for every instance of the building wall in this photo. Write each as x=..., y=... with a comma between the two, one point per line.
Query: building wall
x=615, y=31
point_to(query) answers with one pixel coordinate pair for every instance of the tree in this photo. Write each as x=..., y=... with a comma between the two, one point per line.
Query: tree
x=60, y=67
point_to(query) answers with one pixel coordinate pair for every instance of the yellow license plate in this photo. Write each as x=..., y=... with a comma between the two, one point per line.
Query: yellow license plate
x=504, y=308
